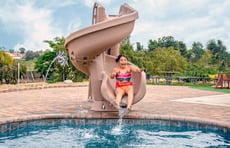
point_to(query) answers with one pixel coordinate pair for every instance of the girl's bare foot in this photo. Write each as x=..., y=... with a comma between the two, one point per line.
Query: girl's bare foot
x=115, y=105
x=129, y=108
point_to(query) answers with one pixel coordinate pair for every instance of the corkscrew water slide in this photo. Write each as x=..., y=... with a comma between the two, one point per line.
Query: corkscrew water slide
x=93, y=51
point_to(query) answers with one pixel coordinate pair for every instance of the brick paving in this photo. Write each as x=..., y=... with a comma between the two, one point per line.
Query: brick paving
x=72, y=100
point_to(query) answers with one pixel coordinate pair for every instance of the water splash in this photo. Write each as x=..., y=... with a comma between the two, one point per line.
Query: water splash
x=117, y=130
x=61, y=59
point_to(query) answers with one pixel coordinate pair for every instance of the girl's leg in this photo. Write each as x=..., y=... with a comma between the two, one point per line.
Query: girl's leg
x=130, y=92
x=119, y=94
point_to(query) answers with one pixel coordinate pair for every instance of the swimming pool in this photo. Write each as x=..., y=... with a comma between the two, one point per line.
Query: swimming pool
x=108, y=133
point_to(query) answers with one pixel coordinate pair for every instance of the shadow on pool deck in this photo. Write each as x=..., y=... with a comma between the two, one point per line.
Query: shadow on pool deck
x=172, y=102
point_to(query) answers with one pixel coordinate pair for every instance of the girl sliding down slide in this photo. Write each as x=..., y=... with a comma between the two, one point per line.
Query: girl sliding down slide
x=123, y=75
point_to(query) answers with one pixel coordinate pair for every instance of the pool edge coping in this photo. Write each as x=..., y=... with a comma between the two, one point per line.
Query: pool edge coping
x=101, y=115
x=43, y=87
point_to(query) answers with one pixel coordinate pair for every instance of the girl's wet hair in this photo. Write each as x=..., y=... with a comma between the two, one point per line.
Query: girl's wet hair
x=121, y=55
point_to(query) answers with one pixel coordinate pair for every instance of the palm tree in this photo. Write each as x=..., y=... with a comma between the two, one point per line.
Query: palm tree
x=5, y=59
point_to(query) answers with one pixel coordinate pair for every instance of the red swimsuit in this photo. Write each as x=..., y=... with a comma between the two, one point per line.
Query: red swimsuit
x=123, y=79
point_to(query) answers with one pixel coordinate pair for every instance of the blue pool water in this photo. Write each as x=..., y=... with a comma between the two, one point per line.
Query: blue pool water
x=113, y=136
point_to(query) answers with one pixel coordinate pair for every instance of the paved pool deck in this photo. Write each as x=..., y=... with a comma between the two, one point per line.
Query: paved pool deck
x=26, y=102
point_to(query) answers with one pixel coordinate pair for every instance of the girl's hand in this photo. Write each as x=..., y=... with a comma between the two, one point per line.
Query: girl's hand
x=114, y=73
x=142, y=69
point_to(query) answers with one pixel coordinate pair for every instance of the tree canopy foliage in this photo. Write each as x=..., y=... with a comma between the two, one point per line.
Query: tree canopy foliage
x=5, y=59
x=162, y=54
x=30, y=55
x=168, y=54
x=9, y=68
x=166, y=59
x=220, y=56
x=57, y=72
x=167, y=41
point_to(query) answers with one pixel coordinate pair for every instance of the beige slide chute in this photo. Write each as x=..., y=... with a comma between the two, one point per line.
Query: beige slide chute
x=93, y=50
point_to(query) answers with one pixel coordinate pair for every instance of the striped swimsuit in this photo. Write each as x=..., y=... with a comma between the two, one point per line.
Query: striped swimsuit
x=123, y=79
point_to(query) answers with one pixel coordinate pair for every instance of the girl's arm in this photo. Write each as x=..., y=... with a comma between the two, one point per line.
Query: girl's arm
x=136, y=69
x=114, y=73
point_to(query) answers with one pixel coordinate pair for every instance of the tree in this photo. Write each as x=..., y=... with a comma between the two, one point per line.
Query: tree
x=199, y=70
x=9, y=69
x=11, y=73
x=168, y=41
x=135, y=57
x=215, y=46
x=126, y=44
x=5, y=59
x=139, y=46
x=22, y=50
x=219, y=52
x=30, y=55
x=197, y=51
x=217, y=49
x=182, y=48
x=205, y=59
x=11, y=50
x=57, y=44
x=57, y=72
x=165, y=59
x=2, y=48
x=42, y=63
x=152, y=45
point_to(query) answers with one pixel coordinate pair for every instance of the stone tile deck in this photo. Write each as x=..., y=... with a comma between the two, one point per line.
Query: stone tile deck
x=71, y=101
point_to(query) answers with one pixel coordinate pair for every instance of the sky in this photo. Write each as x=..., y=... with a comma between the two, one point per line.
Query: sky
x=27, y=23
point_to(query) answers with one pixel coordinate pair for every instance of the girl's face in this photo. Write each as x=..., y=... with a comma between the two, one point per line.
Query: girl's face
x=123, y=62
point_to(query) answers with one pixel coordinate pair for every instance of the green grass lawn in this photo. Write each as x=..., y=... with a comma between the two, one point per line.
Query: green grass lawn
x=201, y=86
x=211, y=89
x=185, y=84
